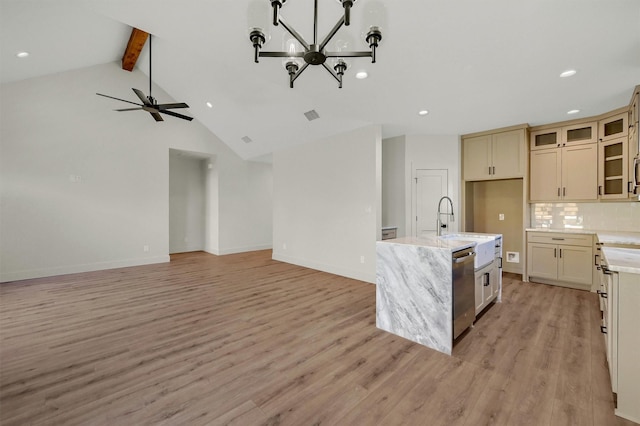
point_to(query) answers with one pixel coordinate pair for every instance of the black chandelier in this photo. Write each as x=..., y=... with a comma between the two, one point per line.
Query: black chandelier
x=314, y=53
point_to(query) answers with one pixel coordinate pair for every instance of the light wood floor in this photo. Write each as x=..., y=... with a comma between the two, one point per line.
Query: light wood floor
x=243, y=339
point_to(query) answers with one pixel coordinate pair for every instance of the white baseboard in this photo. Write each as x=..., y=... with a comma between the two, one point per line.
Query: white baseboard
x=74, y=269
x=222, y=252
x=332, y=269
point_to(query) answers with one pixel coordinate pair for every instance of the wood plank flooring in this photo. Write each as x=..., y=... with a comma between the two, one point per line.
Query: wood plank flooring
x=245, y=340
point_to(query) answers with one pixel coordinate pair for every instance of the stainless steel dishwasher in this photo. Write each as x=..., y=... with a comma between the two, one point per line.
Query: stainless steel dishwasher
x=463, y=290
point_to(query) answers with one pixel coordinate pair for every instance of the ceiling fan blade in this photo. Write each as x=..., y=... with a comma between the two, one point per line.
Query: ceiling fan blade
x=156, y=116
x=142, y=97
x=175, y=114
x=171, y=106
x=118, y=99
x=128, y=109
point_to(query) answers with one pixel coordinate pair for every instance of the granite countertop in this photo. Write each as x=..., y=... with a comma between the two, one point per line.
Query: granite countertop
x=432, y=242
x=604, y=237
x=622, y=259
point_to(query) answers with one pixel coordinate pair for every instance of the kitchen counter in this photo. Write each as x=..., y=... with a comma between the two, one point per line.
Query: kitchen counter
x=448, y=245
x=622, y=259
x=414, y=288
x=604, y=237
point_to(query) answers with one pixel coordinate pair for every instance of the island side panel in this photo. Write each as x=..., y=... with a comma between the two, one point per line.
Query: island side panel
x=414, y=294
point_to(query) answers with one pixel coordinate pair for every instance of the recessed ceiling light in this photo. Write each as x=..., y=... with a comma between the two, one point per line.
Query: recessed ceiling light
x=22, y=54
x=423, y=112
x=573, y=111
x=361, y=75
x=209, y=104
x=568, y=73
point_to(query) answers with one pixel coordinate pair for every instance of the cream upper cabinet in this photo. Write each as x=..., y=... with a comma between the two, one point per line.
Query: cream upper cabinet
x=569, y=173
x=546, y=171
x=634, y=142
x=575, y=134
x=499, y=155
x=614, y=127
x=580, y=172
x=578, y=134
x=613, y=166
x=477, y=158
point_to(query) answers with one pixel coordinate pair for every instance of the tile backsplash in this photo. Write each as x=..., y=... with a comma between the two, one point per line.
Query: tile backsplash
x=592, y=216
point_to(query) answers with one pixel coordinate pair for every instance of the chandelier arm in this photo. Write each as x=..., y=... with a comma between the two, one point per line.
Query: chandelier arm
x=363, y=54
x=304, y=67
x=281, y=55
x=333, y=32
x=332, y=72
x=295, y=34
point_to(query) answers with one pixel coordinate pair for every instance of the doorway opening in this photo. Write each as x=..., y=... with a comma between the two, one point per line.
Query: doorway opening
x=187, y=200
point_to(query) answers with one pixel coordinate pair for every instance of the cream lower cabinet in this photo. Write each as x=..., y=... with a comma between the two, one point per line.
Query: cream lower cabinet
x=621, y=319
x=568, y=173
x=560, y=259
x=487, y=285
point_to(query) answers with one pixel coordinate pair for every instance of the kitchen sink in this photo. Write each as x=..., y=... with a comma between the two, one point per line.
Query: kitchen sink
x=485, y=247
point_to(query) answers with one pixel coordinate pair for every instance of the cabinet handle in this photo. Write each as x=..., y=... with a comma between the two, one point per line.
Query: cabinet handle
x=630, y=187
x=558, y=192
x=603, y=329
x=557, y=239
x=489, y=169
x=564, y=191
x=486, y=275
x=555, y=252
x=600, y=187
x=595, y=261
x=494, y=170
x=602, y=294
x=560, y=253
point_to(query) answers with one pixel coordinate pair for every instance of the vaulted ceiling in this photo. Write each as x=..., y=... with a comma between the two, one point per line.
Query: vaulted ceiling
x=474, y=65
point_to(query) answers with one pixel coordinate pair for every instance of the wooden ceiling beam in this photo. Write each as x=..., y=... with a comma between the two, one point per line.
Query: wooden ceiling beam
x=136, y=42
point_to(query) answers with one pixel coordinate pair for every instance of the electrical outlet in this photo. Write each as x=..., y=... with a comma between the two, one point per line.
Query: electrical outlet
x=361, y=259
x=501, y=216
x=145, y=248
x=284, y=246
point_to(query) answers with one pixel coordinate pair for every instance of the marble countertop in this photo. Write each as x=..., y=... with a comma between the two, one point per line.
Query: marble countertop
x=432, y=242
x=605, y=237
x=622, y=259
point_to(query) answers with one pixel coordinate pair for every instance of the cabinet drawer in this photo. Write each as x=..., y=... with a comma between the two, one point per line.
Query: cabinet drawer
x=560, y=238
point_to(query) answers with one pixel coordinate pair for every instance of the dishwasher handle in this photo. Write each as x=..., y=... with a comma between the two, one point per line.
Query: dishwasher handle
x=464, y=258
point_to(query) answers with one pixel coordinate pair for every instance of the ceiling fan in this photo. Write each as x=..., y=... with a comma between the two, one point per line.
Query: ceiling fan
x=149, y=103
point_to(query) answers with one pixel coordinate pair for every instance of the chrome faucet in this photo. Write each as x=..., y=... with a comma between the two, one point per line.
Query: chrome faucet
x=439, y=224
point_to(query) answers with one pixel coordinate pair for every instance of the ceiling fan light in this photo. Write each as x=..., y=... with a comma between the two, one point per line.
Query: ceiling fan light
x=361, y=75
x=568, y=73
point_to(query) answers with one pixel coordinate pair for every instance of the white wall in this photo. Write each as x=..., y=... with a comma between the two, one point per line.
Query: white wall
x=432, y=152
x=55, y=128
x=327, y=203
x=393, y=184
x=187, y=202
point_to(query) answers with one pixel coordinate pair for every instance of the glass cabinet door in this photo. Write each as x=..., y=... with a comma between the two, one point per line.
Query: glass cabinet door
x=580, y=134
x=614, y=127
x=545, y=139
x=612, y=170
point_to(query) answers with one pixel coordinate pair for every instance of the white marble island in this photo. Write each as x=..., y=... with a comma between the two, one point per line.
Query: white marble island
x=414, y=291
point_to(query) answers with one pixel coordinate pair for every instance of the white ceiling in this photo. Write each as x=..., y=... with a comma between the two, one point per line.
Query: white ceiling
x=474, y=65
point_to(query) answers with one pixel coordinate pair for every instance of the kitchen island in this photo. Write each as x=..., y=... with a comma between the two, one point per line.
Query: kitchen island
x=414, y=291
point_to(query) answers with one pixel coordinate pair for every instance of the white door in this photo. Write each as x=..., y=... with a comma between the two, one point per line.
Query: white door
x=430, y=186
